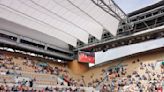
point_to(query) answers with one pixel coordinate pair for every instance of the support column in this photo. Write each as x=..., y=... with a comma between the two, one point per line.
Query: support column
x=18, y=39
x=45, y=48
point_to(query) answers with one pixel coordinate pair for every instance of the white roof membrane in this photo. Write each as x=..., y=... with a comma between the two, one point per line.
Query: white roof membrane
x=67, y=20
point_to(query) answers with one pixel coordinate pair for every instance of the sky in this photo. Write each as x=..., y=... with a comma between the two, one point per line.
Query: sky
x=131, y=5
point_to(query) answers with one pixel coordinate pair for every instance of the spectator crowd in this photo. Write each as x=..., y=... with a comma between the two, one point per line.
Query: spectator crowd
x=147, y=77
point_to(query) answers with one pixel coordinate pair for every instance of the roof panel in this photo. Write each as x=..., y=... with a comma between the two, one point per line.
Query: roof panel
x=56, y=23
x=8, y=15
x=106, y=20
x=61, y=24
x=75, y=19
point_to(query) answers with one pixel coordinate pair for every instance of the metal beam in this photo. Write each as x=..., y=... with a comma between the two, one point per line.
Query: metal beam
x=145, y=32
x=110, y=7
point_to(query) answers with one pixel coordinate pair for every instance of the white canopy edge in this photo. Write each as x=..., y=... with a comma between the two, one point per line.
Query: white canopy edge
x=78, y=21
x=10, y=15
x=104, y=19
x=21, y=31
x=46, y=17
x=68, y=20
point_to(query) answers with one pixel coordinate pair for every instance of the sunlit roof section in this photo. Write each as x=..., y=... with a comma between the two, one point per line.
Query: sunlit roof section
x=104, y=19
x=10, y=16
x=67, y=20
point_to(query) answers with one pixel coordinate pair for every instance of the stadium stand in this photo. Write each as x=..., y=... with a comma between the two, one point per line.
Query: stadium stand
x=135, y=73
x=47, y=58
x=22, y=73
